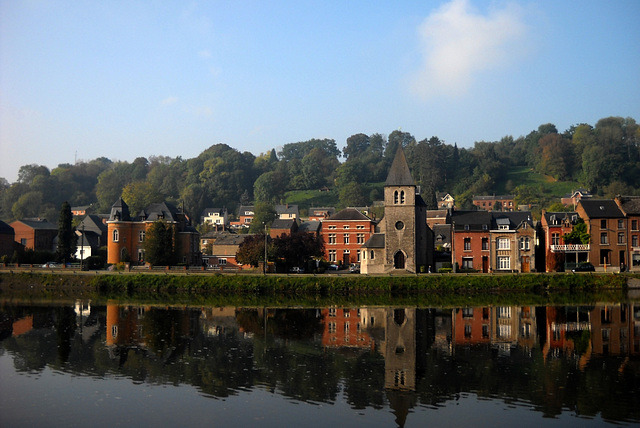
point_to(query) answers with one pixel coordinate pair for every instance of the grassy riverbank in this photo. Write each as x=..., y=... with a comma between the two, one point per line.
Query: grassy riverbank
x=441, y=290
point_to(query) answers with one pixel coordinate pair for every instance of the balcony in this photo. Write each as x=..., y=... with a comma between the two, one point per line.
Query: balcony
x=570, y=248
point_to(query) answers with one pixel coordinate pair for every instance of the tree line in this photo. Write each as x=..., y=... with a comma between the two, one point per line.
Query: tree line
x=604, y=159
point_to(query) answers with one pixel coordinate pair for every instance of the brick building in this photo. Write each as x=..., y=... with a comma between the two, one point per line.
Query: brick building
x=344, y=234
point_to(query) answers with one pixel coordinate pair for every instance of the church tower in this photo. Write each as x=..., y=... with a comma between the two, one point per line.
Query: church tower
x=405, y=219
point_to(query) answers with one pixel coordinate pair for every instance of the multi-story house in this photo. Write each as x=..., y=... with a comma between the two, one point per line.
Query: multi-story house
x=321, y=213
x=126, y=235
x=38, y=234
x=607, y=225
x=215, y=216
x=287, y=212
x=630, y=206
x=495, y=202
x=574, y=197
x=245, y=216
x=344, y=234
x=513, y=242
x=470, y=246
x=559, y=255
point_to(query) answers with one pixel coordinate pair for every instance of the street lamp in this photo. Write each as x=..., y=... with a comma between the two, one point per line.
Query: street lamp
x=264, y=266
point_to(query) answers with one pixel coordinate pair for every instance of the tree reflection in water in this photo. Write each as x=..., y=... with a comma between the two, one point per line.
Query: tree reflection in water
x=583, y=360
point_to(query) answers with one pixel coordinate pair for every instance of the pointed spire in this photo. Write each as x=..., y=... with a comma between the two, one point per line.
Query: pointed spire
x=399, y=174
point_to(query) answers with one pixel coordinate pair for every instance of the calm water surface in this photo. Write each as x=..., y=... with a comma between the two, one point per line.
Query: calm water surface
x=81, y=363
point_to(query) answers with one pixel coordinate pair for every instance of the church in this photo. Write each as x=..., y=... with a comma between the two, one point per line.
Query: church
x=403, y=241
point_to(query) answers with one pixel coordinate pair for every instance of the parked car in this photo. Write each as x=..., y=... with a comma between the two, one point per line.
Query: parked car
x=584, y=267
x=296, y=270
x=354, y=268
x=51, y=265
x=333, y=267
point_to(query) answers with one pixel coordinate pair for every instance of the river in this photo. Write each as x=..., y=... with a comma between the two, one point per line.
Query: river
x=108, y=363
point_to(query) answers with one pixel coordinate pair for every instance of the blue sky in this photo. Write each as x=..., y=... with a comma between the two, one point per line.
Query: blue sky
x=123, y=79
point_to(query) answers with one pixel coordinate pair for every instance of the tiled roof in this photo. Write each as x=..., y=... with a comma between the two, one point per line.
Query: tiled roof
x=630, y=204
x=39, y=224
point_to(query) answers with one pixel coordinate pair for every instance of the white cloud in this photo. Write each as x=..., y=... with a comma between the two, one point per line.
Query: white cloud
x=458, y=42
x=168, y=101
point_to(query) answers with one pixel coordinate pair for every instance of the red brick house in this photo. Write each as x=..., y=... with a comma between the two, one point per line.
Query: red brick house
x=344, y=233
x=630, y=206
x=557, y=253
x=607, y=225
x=283, y=227
x=470, y=240
x=126, y=235
x=37, y=235
x=489, y=203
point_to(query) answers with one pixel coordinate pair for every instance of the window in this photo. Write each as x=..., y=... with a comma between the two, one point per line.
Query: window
x=467, y=263
x=466, y=227
x=504, y=244
x=555, y=239
x=23, y=241
x=372, y=255
x=604, y=238
x=524, y=243
x=360, y=238
x=346, y=238
x=332, y=312
x=620, y=224
x=361, y=227
x=467, y=244
x=634, y=241
x=504, y=263
x=332, y=238
x=222, y=261
x=634, y=224
x=503, y=227
x=603, y=224
x=485, y=244
x=402, y=196
x=467, y=312
x=332, y=327
x=358, y=256
x=346, y=313
x=332, y=255
x=116, y=235
x=332, y=227
x=621, y=239
x=345, y=226
x=141, y=236
x=467, y=330
x=395, y=197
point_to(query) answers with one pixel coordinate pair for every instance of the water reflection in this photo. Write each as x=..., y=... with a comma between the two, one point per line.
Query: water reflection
x=581, y=360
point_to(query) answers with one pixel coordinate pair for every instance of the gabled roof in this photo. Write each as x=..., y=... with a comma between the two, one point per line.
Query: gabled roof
x=375, y=241
x=399, y=173
x=5, y=229
x=630, y=204
x=245, y=210
x=558, y=218
x=349, y=214
x=491, y=198
x=513, y=219
x=283, y=224
x=231, y=239
x=310, y=226
x=474, y=220
x=39, y=224
x=601, y=208
x=286, y=209
x=316, y=211
x=93, y=223
x=209, y=211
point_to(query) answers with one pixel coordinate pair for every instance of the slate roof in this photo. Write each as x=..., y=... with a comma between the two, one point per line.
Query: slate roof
x=231, y=239
x=120, y=211
x=160, y=211
x=475, y=220
x=286, y=209
x=601, y=208
x=39, y=224
x=310, y=226
x=375, y=241
x=630, y=204
x=490, y=198
x=283, y=224
x=349, y=214
x=399, y=173
x=5, y=229
x=93, y=223
x=513, y=219
x=557, y=218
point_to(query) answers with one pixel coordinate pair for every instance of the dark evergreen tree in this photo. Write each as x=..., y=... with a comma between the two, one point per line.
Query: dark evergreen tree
x=66, y=235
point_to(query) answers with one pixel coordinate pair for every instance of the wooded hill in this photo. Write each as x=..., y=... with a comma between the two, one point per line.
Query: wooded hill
x=536, y=168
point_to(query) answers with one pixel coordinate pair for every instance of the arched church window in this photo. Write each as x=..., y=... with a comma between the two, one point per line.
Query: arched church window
x=402, y=197
x=395, y=197
x=116, y=235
